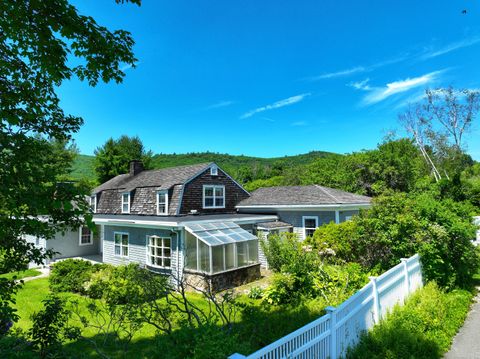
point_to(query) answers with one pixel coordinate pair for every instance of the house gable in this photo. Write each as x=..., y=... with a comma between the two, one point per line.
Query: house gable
x=192, y=197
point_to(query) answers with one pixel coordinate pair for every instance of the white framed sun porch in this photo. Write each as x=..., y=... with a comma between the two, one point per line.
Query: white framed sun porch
x=219, y=249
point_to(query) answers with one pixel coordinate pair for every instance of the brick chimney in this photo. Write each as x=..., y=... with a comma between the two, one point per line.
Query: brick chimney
x=136, y=166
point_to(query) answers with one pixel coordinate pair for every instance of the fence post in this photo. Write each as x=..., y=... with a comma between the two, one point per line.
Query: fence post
x=376, y=301
x=407, y=276
x=331, y=311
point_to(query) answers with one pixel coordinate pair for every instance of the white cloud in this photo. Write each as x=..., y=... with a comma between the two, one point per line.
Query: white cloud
x=450, y=47
x=340, y=73
x=220, y=104
x=361, y=85
x=298, y=123
x=282, y=103
x=377, y=94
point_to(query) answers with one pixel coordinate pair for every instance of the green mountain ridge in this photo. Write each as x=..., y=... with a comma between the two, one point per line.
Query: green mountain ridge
x=242, y=168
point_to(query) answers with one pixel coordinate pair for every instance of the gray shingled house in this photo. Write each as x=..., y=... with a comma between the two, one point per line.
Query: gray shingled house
x=196, y=221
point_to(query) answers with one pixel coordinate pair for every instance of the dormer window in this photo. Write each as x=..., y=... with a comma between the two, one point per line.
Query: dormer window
x=214, y=171
x=93, y=203
x=126, y=202
x=213, y=196
x=162, y=202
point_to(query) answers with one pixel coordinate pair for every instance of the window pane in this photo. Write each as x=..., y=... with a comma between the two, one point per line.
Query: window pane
x=208, y=202
x=117, y=250
x=241, y=254
x=166, y=242
x=217, y=257
x=125, y=208
x=166, y=262
x=309, y=232
x=204, y=257
x=208, y=191
x=230, y=256
x=310, y=223
x=125, y=239
x=161, y=197
x=166, y=252
x=125, y=197
x=253, y=252
x=219, y=191
x=219, y=202
x=118, y=238
x=125, y=251
x=191, y=252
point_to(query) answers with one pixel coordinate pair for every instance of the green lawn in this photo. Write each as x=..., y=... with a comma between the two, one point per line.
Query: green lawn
x=262, y=326
x=21, y=275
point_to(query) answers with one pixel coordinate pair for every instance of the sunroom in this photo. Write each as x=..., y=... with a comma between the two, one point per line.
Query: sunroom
x=218, y=247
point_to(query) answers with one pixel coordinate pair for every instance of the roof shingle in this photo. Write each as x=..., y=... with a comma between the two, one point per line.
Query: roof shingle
x=302, y=195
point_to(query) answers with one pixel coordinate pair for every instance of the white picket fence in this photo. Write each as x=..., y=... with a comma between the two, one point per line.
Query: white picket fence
x=330, y=336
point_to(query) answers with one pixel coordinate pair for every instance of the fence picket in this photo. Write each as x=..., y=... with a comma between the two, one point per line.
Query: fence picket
x=330, y=335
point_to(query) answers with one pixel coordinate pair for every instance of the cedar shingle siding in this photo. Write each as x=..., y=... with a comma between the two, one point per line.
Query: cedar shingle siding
x=144, y=186
x=193, y=193
x=109, y=202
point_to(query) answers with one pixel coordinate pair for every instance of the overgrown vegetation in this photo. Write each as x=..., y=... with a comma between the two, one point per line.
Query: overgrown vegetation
x=400, y=225
x=423, y=328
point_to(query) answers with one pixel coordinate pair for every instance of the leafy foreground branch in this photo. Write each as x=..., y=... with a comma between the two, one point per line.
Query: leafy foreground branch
x=423, y=328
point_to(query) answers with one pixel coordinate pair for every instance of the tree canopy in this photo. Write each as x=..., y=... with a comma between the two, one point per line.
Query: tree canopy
x=114, y=156
x=43, y=44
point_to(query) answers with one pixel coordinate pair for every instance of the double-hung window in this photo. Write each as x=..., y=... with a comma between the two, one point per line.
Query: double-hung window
x=213, y=196
x=93, y=203
x=310, y=223
x=162, y=202
x=86, y=236
x=126, y=202
x=159, y=251
x=121, y=244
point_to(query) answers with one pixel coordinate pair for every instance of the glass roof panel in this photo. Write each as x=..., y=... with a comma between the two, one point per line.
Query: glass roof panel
x=218, y=233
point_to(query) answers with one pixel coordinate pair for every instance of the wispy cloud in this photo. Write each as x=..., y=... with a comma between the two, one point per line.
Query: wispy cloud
x=220, y=104
x=361, y=85
x=358, y=69
x=378, y=94
x=450, y=47
x=341, y=73
x=298, y=123
x=282, y=103
x=127, y=67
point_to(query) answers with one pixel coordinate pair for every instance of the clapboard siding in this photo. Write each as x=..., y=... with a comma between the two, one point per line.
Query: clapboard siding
x=137, y=246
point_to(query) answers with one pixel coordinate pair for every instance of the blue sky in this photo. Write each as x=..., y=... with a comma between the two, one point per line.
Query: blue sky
x=273, y=78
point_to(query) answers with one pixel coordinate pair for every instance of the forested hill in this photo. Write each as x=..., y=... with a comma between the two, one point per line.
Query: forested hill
x=243, y=168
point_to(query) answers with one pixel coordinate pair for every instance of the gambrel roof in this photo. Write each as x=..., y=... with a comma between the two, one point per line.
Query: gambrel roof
x=164, y=178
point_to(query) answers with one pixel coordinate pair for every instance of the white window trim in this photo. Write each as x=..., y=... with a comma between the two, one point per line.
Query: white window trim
x=303, y=223
x=214, y=171
x=214, y=186
x=80, y=237
x=93, y=203
x=148, y=252
x=128, y=203
x=121, y=245
x=166, y=203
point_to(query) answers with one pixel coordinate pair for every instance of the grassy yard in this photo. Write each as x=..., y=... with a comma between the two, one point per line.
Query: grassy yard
x=263, y=325
x=21, y=275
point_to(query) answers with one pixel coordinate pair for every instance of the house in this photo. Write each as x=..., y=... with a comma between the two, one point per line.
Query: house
x=195, y=222
x=302, y=209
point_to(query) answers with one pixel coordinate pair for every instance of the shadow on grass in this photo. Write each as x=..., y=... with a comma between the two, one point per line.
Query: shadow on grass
x=259, y=326
x=391, y=342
